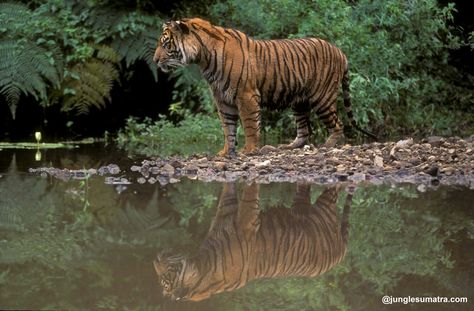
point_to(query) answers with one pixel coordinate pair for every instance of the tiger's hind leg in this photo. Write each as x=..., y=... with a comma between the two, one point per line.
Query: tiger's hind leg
x=303, y=131
x=333, y=125
x=336, y=135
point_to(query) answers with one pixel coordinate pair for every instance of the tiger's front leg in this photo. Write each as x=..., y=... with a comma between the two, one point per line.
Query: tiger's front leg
x=228, y=115
x=249, y=111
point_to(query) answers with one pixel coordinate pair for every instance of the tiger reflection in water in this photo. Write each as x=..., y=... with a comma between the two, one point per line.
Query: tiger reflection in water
x=245, y=243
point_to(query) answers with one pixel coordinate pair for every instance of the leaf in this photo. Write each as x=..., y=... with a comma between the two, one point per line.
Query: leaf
x=138, y=47
x=25, y=68
x=89, y=84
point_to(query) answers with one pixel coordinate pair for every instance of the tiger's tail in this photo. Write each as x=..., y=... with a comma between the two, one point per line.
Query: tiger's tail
x=347, y=103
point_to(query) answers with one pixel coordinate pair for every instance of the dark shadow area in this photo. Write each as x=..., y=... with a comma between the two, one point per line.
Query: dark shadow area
x=137, y=96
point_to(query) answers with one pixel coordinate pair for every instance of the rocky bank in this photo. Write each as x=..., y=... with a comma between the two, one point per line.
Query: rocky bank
x=429, y=162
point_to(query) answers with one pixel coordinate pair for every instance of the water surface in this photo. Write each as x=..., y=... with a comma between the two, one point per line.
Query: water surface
x=89, y=243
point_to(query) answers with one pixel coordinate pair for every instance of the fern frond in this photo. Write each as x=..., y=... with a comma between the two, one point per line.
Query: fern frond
x=139, y=47
x=103, y=17
x=93, y=86
x=25, y=68
x=108, y=54
x=12, y=12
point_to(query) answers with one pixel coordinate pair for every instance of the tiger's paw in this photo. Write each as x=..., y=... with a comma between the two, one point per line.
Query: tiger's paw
x=252, y=150
x=334, y=140
x=297, y=143
x=227, y=153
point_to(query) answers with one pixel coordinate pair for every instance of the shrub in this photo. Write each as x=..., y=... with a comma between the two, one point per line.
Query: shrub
x=398, y=53
x=195, y=134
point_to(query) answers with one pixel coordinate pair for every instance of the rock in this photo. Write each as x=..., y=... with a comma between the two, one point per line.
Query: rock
x=190, y=169
x=268, y=149
x=155, y=170
x=378, y=161
x=141, y=180
x=135, y=168
x=202, y=160
x=167, y=169
x=287, y=167
x=163, y=180
x=176, y=164
x=448, y=170
x=434, y=141
x=262, y=164
x=404, y=143
x=145, y=171
x=392, y=153
x=103, y=170
x=114, y=169
x=421, y=188
x=357, y=177
x=221, y=166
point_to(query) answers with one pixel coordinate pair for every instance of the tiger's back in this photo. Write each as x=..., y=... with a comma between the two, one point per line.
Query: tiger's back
x=296, y=73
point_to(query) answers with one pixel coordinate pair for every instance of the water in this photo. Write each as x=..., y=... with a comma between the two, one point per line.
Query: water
x=90, y=244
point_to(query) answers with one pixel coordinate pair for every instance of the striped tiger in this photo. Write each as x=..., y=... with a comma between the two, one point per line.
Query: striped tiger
x=244, y=243
x=245, y=74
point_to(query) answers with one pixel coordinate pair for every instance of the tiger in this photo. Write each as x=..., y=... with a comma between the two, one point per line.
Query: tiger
x=246, y=74
x=245, y=243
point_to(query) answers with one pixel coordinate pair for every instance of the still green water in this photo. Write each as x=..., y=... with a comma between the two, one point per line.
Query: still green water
x=91, y=244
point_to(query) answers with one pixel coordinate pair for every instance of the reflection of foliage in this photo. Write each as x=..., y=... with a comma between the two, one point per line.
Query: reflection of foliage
x=420, y=256
x=19, y=212
x=195, y=213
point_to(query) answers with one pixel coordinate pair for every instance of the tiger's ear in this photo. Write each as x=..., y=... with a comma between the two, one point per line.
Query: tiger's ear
x=181, y=26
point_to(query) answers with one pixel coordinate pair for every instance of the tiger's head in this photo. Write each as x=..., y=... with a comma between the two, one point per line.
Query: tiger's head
x=183, y=42
x=177, y=276
x=175, y=47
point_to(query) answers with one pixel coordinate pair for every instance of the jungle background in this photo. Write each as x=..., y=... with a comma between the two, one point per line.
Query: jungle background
x=75, y=69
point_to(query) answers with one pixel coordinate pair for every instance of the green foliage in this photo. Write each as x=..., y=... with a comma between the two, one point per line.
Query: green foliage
x=136, y=40
x=68, y=53
x=191, y=93
x=25, y=66
x=194, y=134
